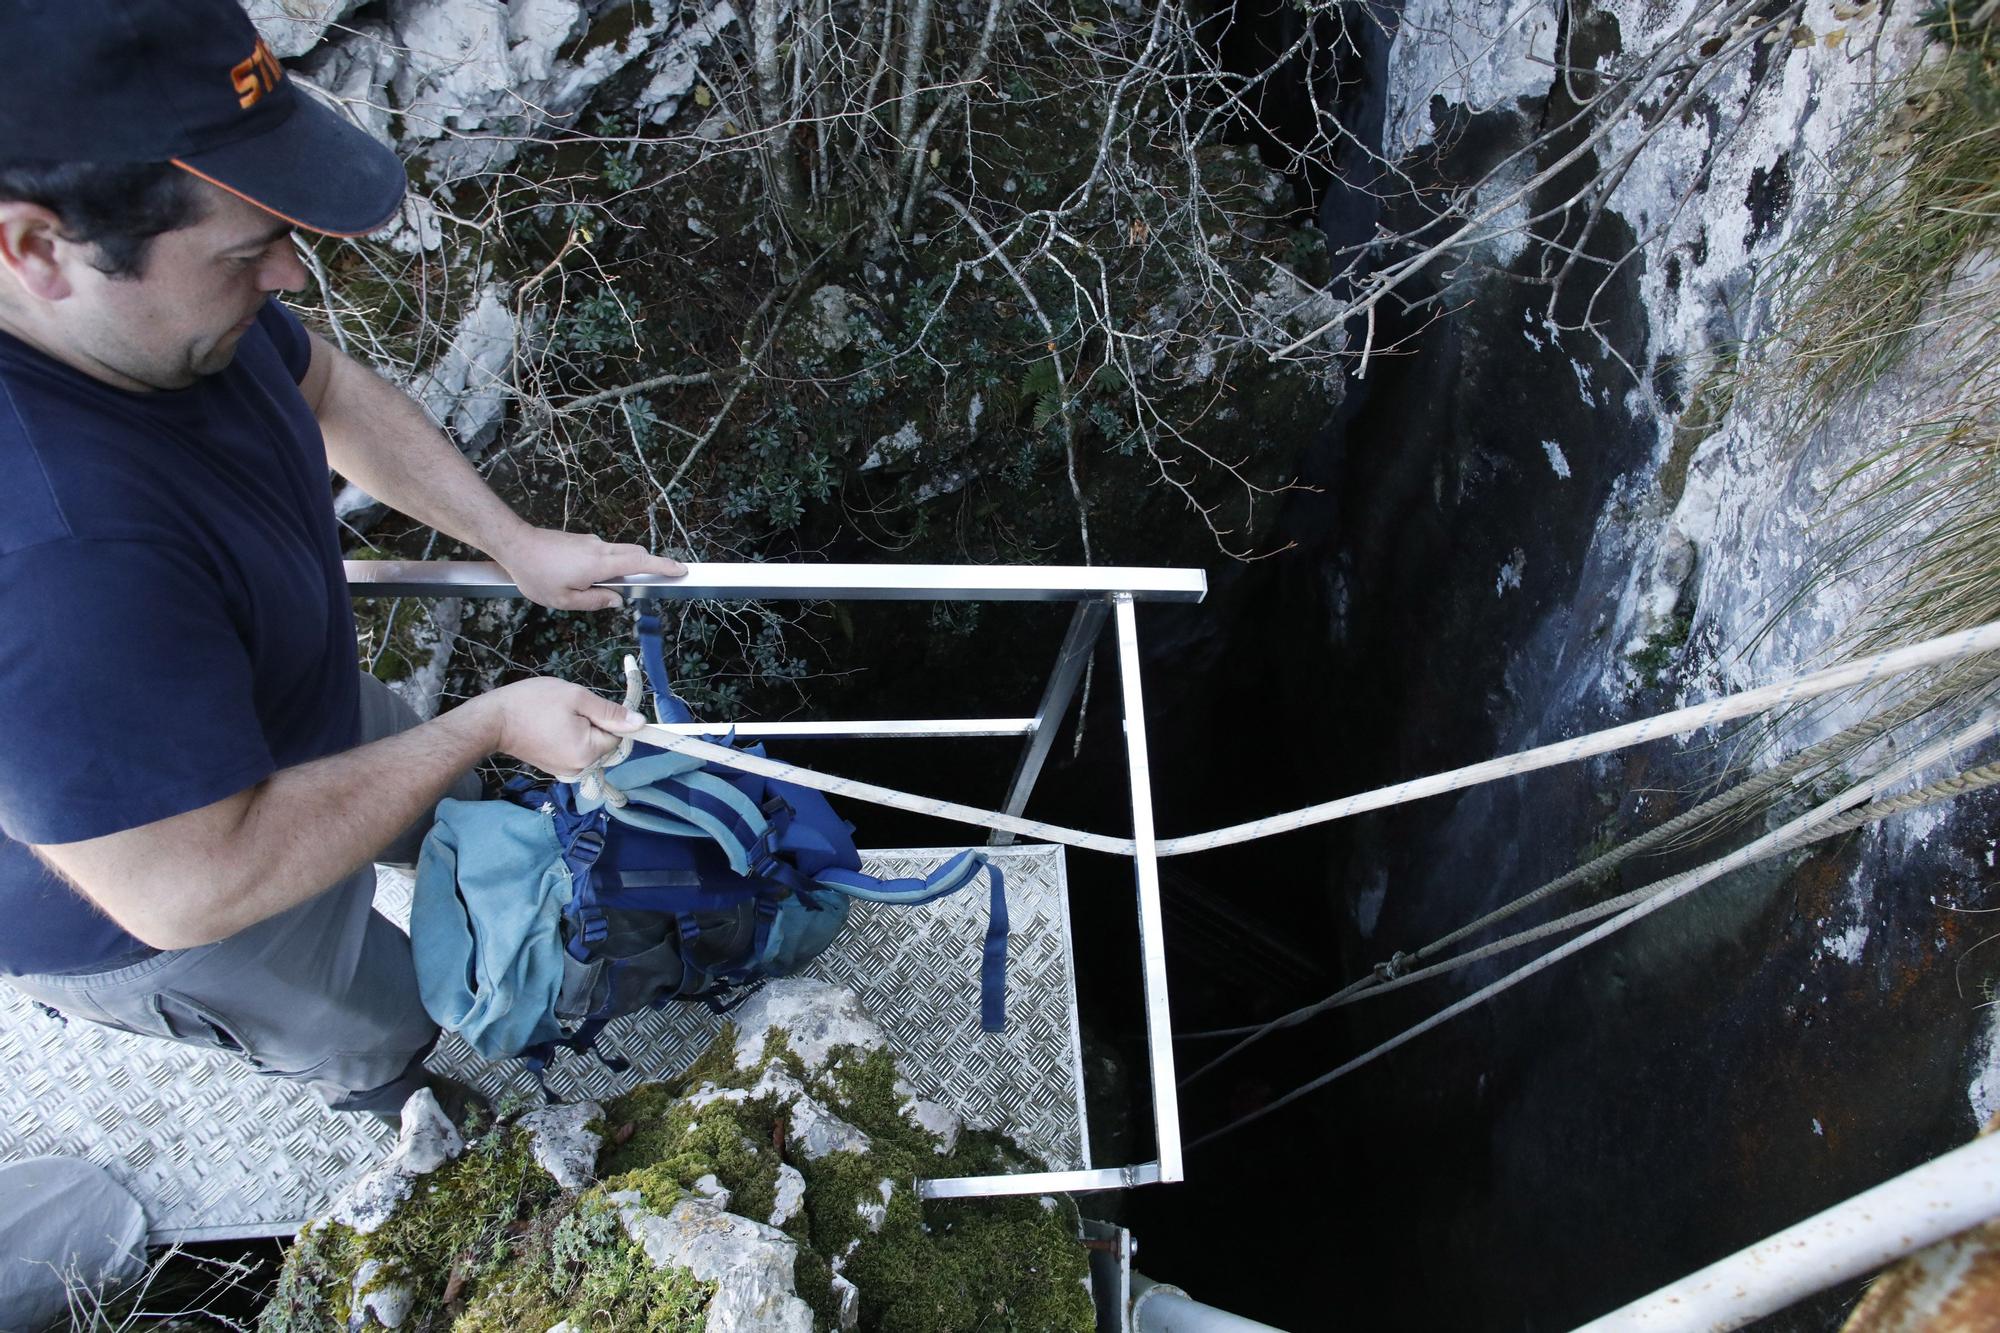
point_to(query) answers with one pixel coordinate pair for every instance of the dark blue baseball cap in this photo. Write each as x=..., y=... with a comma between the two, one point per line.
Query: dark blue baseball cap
x=188, y=82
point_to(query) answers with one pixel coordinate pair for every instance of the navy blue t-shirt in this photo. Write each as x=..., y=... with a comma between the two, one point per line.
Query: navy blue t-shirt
x=174, y=620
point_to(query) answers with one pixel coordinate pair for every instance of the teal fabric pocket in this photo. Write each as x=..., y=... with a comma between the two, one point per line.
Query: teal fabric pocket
x=498, y=864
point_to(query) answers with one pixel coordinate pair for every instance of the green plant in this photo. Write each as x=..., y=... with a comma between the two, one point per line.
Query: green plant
x=595, y=325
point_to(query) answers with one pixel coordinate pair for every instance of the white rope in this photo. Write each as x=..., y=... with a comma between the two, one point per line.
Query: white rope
x=591, y=784
x=1666, y=892
x=1374, y=984
x=725, y=757
x=1400, y=969
x=1677, y=723
x=1949, y=648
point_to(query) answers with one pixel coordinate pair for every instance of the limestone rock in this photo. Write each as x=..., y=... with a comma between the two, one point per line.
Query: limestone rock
x=676, y=61
x=563, y=1143
x=939, y=1121
x=294, y=27
x=375, y=1303
x=427, y=1142
x=467, y=389
x=817, y=1131
x=894, y=448
x=474, y=78
x=813, y=1129
x=713, y=1190
x=791, y=1195
x=750, y=1263
x=849, y=1297
x=831, y=309
x=815, y=1016
x=875, y=1214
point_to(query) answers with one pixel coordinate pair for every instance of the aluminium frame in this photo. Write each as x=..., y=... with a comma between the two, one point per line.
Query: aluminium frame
x=1098, y=593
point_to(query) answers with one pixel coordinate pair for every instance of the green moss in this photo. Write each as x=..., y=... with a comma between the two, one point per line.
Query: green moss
x=861, y=1088
x=583, y=1268
x=672, y=1145
x=463, y=1220
x=315, y=1285
x=994, y=1264
x=998, y=1264
x=1713, y=398
x=528, y=1256
x=1661, y=650
x=460, y=1215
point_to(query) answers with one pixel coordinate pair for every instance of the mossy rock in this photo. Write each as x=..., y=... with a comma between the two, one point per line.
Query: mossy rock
x=488, y=1241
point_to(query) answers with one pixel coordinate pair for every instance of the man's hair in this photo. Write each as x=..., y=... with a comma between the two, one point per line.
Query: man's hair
x=119, y=207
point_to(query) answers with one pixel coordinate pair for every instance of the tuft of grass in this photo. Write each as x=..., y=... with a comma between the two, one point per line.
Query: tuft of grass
x=1875, y=277
x=1899, y=282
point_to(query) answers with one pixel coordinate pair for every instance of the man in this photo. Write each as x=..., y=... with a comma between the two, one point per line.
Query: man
x=194, y=778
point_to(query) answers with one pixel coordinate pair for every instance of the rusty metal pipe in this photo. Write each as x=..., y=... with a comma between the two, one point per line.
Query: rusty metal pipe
x=1954, y=1193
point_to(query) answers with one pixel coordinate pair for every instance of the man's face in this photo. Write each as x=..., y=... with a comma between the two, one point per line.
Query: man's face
x=183, y=315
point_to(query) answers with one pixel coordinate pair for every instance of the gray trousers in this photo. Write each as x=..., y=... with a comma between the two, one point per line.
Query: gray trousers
x=323, y=994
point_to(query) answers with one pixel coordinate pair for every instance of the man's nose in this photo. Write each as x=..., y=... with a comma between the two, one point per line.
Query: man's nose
x=284, y=271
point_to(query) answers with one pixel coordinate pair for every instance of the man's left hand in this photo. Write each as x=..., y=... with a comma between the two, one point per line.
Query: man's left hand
x=557, y=569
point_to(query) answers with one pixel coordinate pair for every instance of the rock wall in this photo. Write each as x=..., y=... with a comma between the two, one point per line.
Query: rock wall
x=1528, y=533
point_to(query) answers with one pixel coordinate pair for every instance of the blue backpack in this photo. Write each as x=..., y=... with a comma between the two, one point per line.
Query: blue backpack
x=541, y=916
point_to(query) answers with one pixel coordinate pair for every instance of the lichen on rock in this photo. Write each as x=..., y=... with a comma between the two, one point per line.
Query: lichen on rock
x=771, y=1187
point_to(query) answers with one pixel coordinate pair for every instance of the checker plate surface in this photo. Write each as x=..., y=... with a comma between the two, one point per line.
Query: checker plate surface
x=213, y=1152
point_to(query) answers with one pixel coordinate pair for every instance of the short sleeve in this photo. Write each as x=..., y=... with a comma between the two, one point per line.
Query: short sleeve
x=288, y=336
x=125, y=690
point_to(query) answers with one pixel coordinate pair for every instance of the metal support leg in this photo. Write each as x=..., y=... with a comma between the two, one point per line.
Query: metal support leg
x=1152, y=941
x=1084, y=626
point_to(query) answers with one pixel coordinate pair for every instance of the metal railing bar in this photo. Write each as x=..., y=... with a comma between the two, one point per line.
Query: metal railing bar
x=1146, y=864
x=781, y=582
x=881, y=729
x=1040, y=1182
x=1098, y=590
x=1085, y=625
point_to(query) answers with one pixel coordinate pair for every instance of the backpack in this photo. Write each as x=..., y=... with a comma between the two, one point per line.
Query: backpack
x=540, y=916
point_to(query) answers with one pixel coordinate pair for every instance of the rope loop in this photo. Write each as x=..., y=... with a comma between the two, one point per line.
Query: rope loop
x=591, y=784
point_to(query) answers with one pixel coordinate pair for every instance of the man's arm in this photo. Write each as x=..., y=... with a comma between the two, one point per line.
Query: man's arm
x=379, y=438
x=208, y=873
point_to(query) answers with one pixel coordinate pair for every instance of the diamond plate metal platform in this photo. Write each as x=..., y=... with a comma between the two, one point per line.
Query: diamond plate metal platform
x=214, y=1152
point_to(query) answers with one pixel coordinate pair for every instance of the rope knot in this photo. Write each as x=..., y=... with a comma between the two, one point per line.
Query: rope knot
x=1399, y=963
x=591, y=782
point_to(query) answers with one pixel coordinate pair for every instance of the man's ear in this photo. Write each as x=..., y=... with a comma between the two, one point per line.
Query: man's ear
x=33, y=250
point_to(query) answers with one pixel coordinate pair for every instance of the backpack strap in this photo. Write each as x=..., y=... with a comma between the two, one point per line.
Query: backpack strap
x=667, y=706
x=580, y=836
x=717, y=809
x=948, y=878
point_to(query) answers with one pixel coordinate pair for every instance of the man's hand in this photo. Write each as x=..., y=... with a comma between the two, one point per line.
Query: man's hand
x=196, y=877
x=557, y=568
x=557, y=727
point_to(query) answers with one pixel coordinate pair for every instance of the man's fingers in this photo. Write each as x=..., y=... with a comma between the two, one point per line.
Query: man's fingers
x=637, y=560
x=612, y=716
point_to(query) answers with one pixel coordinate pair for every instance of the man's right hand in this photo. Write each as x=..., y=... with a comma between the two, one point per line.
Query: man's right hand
x=555, y=726
x=206, y=873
